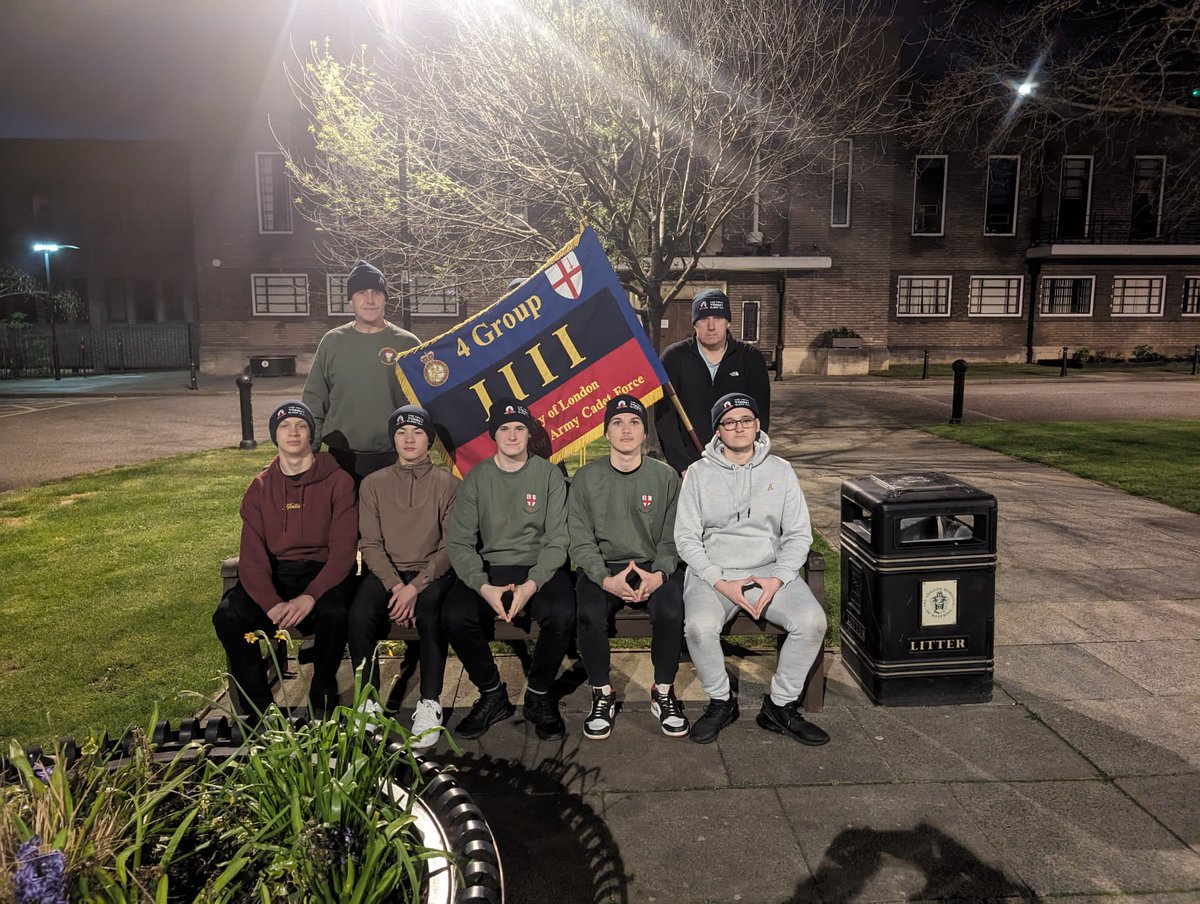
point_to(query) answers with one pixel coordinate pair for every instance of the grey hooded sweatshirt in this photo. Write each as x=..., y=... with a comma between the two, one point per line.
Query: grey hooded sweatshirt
x=737, y=520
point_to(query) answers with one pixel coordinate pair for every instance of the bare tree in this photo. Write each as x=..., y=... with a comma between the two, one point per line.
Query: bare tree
x=1035, y=80
x=470, y=146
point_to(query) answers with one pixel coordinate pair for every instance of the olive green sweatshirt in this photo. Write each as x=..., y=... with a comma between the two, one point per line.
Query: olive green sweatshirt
x=618, y=517
x=520, y=518
x=352, y=388
x=403, y=515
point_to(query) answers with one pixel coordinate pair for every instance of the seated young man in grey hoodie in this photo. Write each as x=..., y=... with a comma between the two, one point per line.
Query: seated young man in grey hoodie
x=743, y=529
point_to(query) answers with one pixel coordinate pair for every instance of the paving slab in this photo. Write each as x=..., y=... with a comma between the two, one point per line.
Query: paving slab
x=1060, y=672
x=1078, y=838
x=1020, y=622
x=1172, y=800
x=1161, y=666
x=1022, y=582
x=677, y=847
x=894, y=843
x=954, y=743
x=1151, y=736
x=1148, y=619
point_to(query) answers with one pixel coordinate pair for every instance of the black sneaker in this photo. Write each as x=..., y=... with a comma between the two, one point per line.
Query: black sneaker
x=787, y=720
x=669, y=711
x=598, y=725
x=716, y=716
x=491, y=707
x=542, y=711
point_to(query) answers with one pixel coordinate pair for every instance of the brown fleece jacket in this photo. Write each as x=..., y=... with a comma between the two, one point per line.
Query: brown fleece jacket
x=403, y=512
x=309, y=518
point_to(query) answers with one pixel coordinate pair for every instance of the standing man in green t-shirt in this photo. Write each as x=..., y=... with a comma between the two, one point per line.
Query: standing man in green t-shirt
x=508, y=545
x=352, y=387
x=621, y=518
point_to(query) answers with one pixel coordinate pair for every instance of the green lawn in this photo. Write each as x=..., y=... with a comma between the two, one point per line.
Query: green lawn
x=1001, y=371
x=1156, y=459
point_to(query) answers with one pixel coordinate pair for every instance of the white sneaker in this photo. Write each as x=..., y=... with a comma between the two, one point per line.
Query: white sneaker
x=426, y=720
x=370, y=707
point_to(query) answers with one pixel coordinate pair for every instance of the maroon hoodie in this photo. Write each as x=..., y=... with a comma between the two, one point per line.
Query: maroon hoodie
x=312, y=517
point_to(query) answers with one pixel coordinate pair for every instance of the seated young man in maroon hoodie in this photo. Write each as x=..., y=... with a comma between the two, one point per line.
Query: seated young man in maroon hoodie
x=299, y=542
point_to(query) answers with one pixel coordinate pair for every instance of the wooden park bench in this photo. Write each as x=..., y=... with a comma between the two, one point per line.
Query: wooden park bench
x=634, y=622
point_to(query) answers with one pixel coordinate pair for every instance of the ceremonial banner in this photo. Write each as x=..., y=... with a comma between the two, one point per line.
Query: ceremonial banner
x=563, y=343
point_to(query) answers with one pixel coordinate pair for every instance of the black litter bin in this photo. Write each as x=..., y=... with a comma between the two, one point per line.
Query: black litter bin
x=272, y=365
x=918, y=588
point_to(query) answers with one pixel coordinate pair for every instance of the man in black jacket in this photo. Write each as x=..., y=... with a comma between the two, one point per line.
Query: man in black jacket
x=704, y=368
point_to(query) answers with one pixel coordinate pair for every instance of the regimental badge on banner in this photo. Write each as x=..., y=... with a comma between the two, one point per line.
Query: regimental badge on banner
x=530, y=502
x=939, y=603
x=647, y=501
x=435, y=372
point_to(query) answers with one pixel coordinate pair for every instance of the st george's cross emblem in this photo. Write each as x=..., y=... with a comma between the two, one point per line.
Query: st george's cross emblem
x=530, y=501
x=647, y=501
x=566, y=276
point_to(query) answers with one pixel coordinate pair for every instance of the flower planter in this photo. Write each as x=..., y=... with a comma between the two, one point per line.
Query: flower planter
x=846, y=342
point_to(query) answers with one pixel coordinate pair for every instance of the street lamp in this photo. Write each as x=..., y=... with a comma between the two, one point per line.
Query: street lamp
x=48, y=248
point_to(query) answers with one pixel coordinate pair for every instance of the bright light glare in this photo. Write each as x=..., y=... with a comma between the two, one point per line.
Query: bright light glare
x=1025, y=88
x=41, y=246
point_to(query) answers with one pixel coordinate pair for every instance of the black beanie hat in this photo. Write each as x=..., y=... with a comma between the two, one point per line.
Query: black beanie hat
x=413, y=415
x=624, y=404
x=291, y=408
x=710, y=303
x=364, y=276
x=505, y=411
x=732, y=400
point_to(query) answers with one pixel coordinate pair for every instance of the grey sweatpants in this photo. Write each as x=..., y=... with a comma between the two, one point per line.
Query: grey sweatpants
x=794, y=608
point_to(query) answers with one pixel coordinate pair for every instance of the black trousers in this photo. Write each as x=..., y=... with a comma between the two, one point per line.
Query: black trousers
x=359, y=464
x=470, y=623
x=238, y=615
x=370, y=623
x=596, y=607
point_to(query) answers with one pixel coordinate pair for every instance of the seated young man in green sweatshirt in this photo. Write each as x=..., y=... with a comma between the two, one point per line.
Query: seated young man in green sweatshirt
x=508, y=546
x=621, y=518
x=352, y=386
x=403, y=516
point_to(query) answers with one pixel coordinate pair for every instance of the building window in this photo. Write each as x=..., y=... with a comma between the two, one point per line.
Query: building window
x=1137, y=296
x=996, y=296
x=749, y=321
x=1145, y=216
x=1075, y=198
x=1000, y=203
x=280, y=294
x=843, y=151
x=1191, y=295
x=923, y=296
x=335, y=295
x=274, y=193
x=114, y=300
x=145, y=302
x=929, y=196
x=431, y=300
x=1067, y=296
x=172, y=294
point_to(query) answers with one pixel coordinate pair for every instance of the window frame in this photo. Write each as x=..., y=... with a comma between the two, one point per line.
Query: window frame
x=329, y=296
x=757, y=320
x=1162, y=294
x=258, y=157
x=254, y=296
x=1016, y=206
x=945, y=158
x=1062, y=178
x=949, y=278
x=1162, y=185
x=849, y=142
x=410, y=289
x=1091, y=297
x=1020, y=278
x=1195, y=281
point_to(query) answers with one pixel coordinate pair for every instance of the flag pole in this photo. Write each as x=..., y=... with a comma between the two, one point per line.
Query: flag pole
x=683, y=418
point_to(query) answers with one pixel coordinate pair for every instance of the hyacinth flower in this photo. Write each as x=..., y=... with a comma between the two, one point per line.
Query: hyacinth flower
x=41, y=878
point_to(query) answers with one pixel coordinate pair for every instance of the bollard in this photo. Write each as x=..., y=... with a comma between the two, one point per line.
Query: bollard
x=82, y=357
x=192, y=384
x=120, y=354
x=244, y=384
x=960, y=379
x=925, y=367
x=1062, y=370
x=1195, y=360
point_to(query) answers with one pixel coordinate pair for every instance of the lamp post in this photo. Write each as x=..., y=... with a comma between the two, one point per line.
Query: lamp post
x=48, y=248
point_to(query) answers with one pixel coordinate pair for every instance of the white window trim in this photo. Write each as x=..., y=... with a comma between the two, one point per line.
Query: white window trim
x=1162, y=184
x=987, y=176
x=1162, y=294
x=949, y=292
x=1183, y=298
x=258, y=155
x=1020, y=292
x=411, y=299
x=757, y=320
x=1087, y=211
x=1091, y=297
x=849, y=183
x=307, y=297
x=329, y=312
x=945, y=181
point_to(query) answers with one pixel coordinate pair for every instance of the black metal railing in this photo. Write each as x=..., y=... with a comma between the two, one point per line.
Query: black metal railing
x=85, y=348
x=1112, y=229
